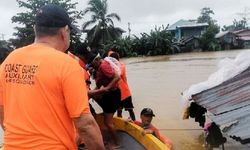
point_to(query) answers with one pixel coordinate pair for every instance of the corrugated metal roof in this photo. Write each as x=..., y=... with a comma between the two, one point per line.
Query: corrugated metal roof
x=245, y=38
x=221, y=34
x=229, y=104
x=241, y=31
x=186, y=23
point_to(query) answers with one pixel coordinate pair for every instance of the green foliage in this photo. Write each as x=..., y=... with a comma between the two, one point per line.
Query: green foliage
x=205, y=16
x=103, y=30
x=5, y=49
x=208, y=41
x=158, y=42
x=24, y=34
x=5, y=45
x=237, y=25
x=122, y=45
x=241, y=24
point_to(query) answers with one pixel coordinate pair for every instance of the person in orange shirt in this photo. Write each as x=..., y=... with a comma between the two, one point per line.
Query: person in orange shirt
x=146, y=119
x=126, y=98
x=43, y=96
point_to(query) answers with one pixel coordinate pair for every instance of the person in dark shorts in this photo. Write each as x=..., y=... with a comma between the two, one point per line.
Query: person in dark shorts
x=107, y=79
x=113, y=104
x=127, y=105
x=126, y=99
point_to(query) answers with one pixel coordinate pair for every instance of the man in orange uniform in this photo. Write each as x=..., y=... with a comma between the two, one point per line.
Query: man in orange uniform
x=126, y=99
x=43, y=96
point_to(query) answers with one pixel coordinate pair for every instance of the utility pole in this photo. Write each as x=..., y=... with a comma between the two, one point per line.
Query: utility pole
x=129, y=30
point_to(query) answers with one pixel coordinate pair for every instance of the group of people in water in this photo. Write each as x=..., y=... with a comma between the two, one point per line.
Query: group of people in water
x=54, y=111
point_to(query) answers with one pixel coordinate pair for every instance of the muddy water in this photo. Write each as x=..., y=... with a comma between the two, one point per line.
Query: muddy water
x=157, y=82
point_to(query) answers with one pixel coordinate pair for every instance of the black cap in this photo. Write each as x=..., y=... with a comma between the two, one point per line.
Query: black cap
x=147, y=111
x=52, y=15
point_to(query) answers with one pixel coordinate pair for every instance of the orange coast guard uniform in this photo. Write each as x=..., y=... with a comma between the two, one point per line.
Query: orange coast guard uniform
x=41, y=90
x=123, y=85
x=87, y=78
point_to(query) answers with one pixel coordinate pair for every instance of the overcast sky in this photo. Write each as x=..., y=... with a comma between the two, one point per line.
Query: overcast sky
x=143, y=15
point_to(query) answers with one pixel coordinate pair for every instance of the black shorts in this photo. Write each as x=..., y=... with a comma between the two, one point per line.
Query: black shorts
x=110, y=101
x=127, y=103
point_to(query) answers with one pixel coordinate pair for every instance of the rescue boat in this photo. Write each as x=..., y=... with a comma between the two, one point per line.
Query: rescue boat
x=131, y=137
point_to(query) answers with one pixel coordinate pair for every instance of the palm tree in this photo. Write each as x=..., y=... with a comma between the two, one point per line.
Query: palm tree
x=103, y=29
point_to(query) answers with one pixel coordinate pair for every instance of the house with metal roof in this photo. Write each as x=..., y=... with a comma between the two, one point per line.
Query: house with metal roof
x=226, y=97
x=234, y=39
x=184, y=29
x=243, y=37
x=227, y=40
x=229, y=105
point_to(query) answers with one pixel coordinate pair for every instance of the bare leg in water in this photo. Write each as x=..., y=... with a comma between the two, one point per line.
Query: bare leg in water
x=108, y=121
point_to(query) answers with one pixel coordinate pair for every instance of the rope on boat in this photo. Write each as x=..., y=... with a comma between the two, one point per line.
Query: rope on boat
x=181, y=129
x=171, y=129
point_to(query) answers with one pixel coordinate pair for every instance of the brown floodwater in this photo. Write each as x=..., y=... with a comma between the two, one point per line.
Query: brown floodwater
x=157, y=82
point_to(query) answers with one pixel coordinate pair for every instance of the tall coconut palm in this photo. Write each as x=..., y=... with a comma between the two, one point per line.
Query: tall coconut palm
x=103, y=29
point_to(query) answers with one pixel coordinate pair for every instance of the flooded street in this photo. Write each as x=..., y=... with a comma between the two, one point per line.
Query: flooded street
x=157, y=82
